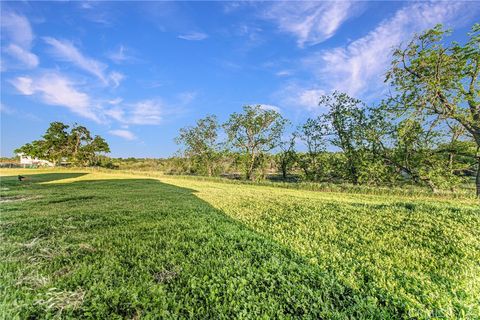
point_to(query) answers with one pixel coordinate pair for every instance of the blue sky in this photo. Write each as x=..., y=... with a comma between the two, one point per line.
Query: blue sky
x=136, y=72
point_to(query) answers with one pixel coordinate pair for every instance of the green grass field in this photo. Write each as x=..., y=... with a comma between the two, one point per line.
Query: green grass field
x=114, y=245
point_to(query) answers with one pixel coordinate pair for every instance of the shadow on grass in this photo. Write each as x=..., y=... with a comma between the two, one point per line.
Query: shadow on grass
x=13, y=181
x=141, y=248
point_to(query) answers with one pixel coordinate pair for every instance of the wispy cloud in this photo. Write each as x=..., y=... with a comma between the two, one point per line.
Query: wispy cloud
x=94, y=11
x=186, y=97
x=55, y=89
x=122, y=55
x=28, y=59
x=193, y=36
x=17, y=32
x=125, y=134
x=115, y=78
x=6, y=110
x=310, y=22
x=65, y=50
x=359, y=67
x=17, y=28
x=146, y=112
x=269, y=107
x=21, y=114
x=297, y=96
x=284, y=73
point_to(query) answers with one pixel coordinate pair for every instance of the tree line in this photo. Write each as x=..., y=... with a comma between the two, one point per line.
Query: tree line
x=426, y=131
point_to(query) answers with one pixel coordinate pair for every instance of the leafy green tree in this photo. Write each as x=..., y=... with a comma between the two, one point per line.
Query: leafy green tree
x=34, y=149
x=411, y=151
x=459, y=150
x=92, y=151
x=58, y=143
x=55, y=144
x=313, y=134
x=286, y=157
x=254, y=132
x=347, y=123
x=201, y=144
x=79, y=136
x=436, y=79
x=377, y=169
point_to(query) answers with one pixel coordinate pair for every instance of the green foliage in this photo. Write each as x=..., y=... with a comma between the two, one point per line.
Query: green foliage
x=201, y=144
x=185, y=248
x=435, y=79
x=347, y=121
x=254, y=132
x=58, y=144
x=312, y=133
x=287, y=156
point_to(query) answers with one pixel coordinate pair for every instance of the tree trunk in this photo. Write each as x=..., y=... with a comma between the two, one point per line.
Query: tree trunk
x=209, y=170
x=251, y=167
x=430, y=184
x=284, y=171
x=477, y=181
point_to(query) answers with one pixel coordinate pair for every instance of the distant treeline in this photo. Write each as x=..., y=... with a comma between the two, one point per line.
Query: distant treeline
x=426, y=132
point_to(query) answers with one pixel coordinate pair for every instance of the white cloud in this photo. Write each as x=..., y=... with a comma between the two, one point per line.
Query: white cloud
x=115, y=78
x=17, y=28
x=359, y=67
x=146, y=112
x=23, y=85
x=187, y=97
x=121, y=55
x=6, y=110
x=16, y=31
x=125, y=134
x=28, y=59
x=283, y=73
x=116, y=113
x=296, y=96
x=269, y=107
x=193, y=36
x=118, y=56
x=310, y=22
x=309, y=98
x=115, y=101
x=65, y=50
x=56, y=89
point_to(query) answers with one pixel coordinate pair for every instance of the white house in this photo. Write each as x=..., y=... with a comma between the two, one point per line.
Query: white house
x=29, y=161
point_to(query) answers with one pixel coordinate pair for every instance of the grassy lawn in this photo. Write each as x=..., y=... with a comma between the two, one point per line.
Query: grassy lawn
x=111, y=245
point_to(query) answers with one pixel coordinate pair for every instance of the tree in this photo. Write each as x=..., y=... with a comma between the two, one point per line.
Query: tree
x=79, y=136
x=55, y=144
x=347, y=122
x=92, y=152
x=200, y=142
x=254, y=132
x=58, y=143
x=459, y=150
x=286, y=157
x=433, y=79
x=415, y=155
x=312, y=133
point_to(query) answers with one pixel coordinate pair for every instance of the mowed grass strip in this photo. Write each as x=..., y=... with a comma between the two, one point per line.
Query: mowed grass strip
x=100, y=245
